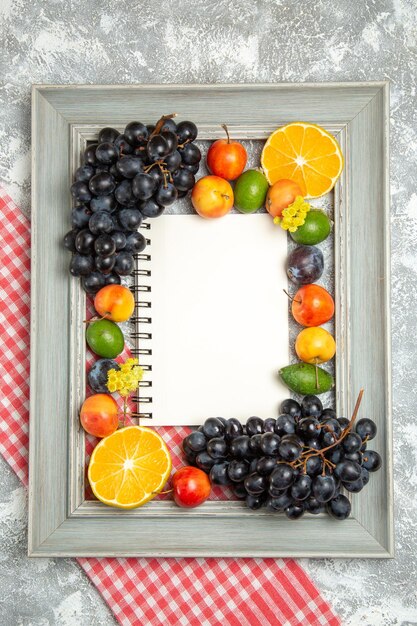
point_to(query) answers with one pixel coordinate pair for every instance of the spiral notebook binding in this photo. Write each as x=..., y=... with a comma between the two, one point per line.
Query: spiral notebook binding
x=142, y=326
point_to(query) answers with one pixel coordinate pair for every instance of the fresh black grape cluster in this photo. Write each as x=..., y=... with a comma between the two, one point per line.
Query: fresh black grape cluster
x=126, y=178
x=297, y=463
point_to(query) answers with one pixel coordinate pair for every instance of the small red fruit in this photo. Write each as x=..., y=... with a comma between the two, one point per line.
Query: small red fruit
x=191, y=487
x=226, y=158
x=312, y=305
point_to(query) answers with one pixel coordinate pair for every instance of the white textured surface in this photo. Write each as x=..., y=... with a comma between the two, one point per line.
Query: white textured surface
x=225, y=41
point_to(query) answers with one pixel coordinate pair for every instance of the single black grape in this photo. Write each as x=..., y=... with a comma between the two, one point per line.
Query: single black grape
x=157, y=175
x=107, y=153
x=168, y=124
x=285, y=425
x=328, y=414
x=269, y=444
x=290, y=407
x=239, y=447
x=171, y=139
x=339, y=507
x=254, y=426
x=143, y=186
x=364, y=475
x=84, y=173
x=135, y=243
x=313, y=506
x=183, y=180
x=112, y=279
x=255, y=484
x=204, y=461
x=80, y=216
x=100, y=223
x=129, y=166
x=172, y=161
x=84, y=242
x=186, y=131
x=289, y=450
x=97, y=376
x=190, y=154
x=352, y=442
x=122, y=145
x=348, y=471
x=102, y=184
x=217, y=448
x=336, y=454
x=223, y=420
x=136, y=133
x=282, y=476
x=103, y=203
x=81, y=265
x=166, y=194
x=105, y=264
x=80, y=191
x=130, y=219
x=233, y=428
x=191, y=168
x=219, y=475
x=90, y=155
x=323, y=488
x=294, y=511
x=355, y=486
x=119, y=239
x=255, y=445
x=311, y=406
x=314, y=465
x=354, y=456
x=93, y=282
x=301, y=488
x=108, y=134
x=327, y=439
x=313, y=443
x=104, y=245
x=293, y=438
x=151, y=209
x=213, y=427
x=254, y=502
x=124, y=194
x=69, y=240
x=196, y=441
x=237, y=471
x=157, y=148
x=253, y=465
x=366, y=429
x=269, y=425
x=124, y=264
x=343, y=421
x=265, y=465
x=332, y=425
x=372, y=461
x=308, y=427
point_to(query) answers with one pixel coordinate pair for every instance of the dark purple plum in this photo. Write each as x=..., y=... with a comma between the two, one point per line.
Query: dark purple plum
x=305, y=265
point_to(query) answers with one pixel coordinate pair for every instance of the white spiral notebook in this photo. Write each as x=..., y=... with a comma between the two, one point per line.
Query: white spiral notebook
x=213, y=318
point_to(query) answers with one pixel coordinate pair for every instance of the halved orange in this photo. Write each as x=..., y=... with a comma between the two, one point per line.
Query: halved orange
x=304, y=153
x=129, y=467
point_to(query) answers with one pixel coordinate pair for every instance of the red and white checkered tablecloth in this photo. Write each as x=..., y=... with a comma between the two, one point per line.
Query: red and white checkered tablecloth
x=177, y=592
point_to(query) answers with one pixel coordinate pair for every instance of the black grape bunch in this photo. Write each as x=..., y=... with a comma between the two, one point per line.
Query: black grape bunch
x=126, y=178
x=301, y=462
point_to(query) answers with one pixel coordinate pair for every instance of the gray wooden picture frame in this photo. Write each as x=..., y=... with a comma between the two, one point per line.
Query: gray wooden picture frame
x=61, y=523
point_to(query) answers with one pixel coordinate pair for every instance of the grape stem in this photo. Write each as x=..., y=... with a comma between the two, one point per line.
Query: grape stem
x=160, y=123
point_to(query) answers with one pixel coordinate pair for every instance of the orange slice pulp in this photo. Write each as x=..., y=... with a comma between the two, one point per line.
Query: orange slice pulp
x=129, y=467
x=304, y=153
